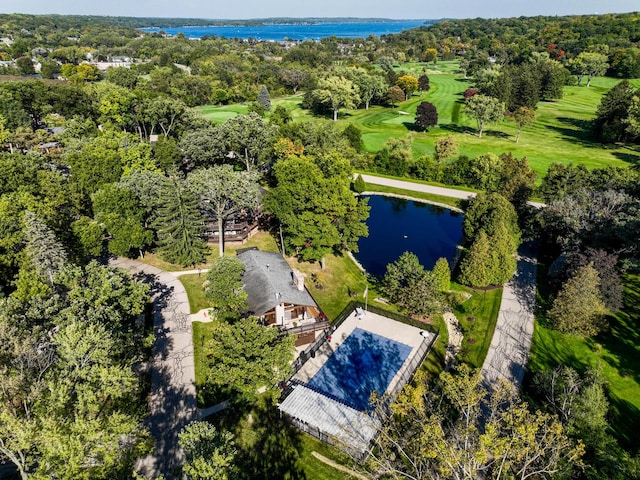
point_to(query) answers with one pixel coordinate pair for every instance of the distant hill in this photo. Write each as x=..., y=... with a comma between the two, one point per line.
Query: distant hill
x=70, y=21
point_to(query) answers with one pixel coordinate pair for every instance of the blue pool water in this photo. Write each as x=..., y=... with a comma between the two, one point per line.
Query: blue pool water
x=397, y=226
x=365, y=362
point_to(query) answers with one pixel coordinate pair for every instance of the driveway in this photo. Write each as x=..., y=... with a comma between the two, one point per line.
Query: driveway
x=509, y=350
x=172, y=403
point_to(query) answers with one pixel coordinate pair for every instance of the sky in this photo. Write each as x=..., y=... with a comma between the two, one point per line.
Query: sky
x=241, y=9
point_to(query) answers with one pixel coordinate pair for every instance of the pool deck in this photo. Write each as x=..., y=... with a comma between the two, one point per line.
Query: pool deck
x=370, y=322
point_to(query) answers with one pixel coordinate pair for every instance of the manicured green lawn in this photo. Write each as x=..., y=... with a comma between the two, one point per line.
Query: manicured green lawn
x=156, y=261
x=560, y=133
x=202, y=333
x=193, y=285
x=477, y=317
x=453, y=202
x=616, y=352
x=334, y=287
x=222, y=113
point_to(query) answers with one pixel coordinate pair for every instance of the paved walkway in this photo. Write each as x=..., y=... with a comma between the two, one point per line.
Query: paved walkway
x=509, y=350
x=418, y=187
x=432, y=189
x=172, y=402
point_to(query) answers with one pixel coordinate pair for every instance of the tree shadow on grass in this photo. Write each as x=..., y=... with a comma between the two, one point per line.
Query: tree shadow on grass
x=625, y=423
x=623, y=336
x=452, y=127
x=496, y=134
x=576, y=131
x=268, y=447
x=412, y=127
x=628, y=157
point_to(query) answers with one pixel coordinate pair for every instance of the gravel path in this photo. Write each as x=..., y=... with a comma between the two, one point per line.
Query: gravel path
x=172, y=402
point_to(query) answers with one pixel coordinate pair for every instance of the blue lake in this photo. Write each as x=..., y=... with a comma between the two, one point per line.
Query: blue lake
x=397, y=226
x=279, y=32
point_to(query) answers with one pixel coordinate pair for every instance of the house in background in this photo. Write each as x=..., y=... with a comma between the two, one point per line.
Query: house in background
x=277, y=296
x=238, y=228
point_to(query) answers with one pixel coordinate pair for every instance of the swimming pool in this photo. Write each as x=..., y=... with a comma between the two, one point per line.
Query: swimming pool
x=363, y=363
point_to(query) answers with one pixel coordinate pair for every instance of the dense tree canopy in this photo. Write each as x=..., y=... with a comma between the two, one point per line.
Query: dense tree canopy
x=315, y=207
x=245, y=356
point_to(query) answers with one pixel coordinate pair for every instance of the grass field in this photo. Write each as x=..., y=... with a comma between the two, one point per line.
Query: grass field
x=616, y=353
x=477, y=317
x=560, y=133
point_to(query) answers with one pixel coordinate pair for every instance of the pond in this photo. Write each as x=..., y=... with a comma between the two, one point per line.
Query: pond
x=397, y=225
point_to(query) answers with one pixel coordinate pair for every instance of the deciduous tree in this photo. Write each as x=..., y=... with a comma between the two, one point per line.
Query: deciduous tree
x=247, y=137
x=223, y=287
x=589, y=64
x=408, y=84
x=370, y=86
x=426, y=116
x=245, y=356
x=224, y=192
x=432, y=431
x=409, y=285
x=119, y=211
x=315, y=206
x=424, y=83
x=523, y=117
x=578, y=309
x=484, y=110
x=336, y=92
x=395, y=95
x=210, y=453
x=446, y=147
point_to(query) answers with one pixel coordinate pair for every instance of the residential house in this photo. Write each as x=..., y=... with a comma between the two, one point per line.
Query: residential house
x=238, y=228
x=277, y=296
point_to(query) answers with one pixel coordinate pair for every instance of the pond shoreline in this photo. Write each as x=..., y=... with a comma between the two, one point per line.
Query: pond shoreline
x=414, y=199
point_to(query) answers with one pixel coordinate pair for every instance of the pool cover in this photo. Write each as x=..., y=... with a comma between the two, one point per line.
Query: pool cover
x=363, y=363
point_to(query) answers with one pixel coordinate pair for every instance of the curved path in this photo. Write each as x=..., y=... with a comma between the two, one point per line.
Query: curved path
x=172, y=402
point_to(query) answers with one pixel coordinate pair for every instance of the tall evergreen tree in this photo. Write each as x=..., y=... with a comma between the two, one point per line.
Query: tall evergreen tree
x=442, y=274
x=503, y=255
x=264, y=98
x=180, y=224
x=46, y=252
x=475, y=267
x=609, y=124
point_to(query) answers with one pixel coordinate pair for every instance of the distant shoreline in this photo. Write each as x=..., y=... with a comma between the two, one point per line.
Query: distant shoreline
x=288, y=29
x=203, y=22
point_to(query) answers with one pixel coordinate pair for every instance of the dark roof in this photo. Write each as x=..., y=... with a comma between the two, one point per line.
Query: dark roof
x=267, y=274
